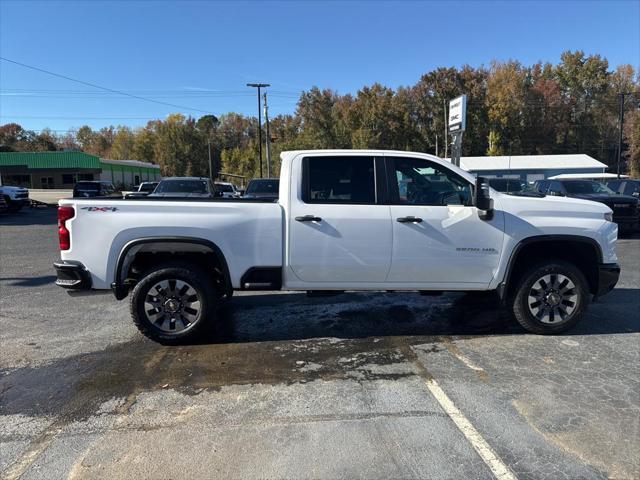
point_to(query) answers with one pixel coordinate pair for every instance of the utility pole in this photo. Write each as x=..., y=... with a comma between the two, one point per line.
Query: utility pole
x=621, y=96
x=446, y=139
x=210, y=162
x=436, y=145
x=268, y=139
x=259, y=86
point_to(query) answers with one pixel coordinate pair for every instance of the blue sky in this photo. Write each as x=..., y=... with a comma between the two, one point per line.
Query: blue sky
x=201, y=54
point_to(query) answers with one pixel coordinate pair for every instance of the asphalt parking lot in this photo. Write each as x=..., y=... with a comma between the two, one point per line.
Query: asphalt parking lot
x=352, y=386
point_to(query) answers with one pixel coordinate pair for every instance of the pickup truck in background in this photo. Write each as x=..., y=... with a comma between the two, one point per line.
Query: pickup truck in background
x=98, y=188
x=184, y=187
x=142, y=190
x=14, y=197
x=343, y=220
x=624, y=207
x=263, y=188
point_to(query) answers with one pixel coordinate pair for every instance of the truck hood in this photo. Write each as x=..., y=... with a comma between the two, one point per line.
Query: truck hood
x=181, y=195
x=8, y=189
x=265, y=196
x=607, y=199
x=551, y=205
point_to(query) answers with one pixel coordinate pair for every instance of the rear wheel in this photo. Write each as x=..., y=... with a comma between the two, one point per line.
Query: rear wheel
x=173, y=303
x=550, y=297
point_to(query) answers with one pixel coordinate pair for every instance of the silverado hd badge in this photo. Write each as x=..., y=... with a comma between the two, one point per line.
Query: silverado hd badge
x=477, y=250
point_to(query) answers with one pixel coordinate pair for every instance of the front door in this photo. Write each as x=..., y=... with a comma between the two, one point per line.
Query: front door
x=339, y=232
x=439, y=239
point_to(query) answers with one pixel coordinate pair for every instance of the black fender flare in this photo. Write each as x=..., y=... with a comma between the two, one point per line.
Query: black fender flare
x=503, y=286
x=120, y=290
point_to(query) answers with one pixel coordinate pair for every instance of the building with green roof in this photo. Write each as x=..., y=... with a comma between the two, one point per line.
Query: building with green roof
x=61, y=170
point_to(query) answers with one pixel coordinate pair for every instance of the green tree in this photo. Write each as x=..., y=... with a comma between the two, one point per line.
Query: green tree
x=123, y=144
x=144, y=143
x=180, y=147
x=506, y=101
x=14, y=138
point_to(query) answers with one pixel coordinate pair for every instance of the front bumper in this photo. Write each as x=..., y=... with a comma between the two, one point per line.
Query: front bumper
x=22, y=202
x=625, y=224
x=72, y=276
x=608, y=274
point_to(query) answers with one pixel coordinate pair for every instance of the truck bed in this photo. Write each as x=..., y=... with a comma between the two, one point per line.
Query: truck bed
x=249, y=232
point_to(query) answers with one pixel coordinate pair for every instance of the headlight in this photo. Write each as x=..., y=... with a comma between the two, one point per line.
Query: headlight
x=608, y=216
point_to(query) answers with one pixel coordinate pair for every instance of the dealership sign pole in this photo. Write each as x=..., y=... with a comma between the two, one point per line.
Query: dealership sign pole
x=457, y=124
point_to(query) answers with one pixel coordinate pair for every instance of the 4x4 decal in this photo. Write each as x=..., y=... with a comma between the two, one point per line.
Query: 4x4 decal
x=100, y=209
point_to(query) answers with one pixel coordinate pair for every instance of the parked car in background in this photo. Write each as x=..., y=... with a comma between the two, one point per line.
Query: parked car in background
x=513, y=186
x=263, y=188
x=144, y=189
x=177, y=187
x=90, y=189
x=626, y=186
x=3, y=205
x=14, y=197
x=147, y=187
x=226, y=190
x=625, y=207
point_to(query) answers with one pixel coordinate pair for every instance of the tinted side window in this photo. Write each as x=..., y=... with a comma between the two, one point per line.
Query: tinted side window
x=632, y=188
x=556, y=187
x=542, y=187
x=339, y=180
x=615, y=186
x=420, y=182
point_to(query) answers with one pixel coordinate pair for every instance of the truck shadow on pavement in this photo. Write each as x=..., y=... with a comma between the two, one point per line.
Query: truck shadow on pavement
x=277, y=339
x=28, y=281
x=355, y=315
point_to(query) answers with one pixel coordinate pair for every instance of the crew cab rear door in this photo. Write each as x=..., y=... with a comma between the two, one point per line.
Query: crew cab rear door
x=339, y=229
x=439, y=240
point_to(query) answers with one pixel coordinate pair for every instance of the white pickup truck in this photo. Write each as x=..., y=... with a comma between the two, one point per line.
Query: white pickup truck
x=344, y=220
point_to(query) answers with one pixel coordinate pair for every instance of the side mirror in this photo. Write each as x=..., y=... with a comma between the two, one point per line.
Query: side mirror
x=483, y=200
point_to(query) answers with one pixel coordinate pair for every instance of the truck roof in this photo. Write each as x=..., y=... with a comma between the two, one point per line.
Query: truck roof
x=287, y=156
x=185, y=178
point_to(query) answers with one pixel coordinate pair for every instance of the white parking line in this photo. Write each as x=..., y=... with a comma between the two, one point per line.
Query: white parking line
x=499, y=469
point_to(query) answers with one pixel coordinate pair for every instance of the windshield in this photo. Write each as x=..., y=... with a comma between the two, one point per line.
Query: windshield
x=224, y=188
x=147, y=187
x=263, y=186
x=87, y=186
x=182, y=186
x=507, y=185
x=586, y=187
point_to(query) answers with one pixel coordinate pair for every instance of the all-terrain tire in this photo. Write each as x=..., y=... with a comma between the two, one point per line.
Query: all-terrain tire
x=550, y=318
x=162, y=287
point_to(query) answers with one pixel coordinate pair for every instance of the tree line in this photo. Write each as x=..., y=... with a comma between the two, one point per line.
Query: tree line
x=513, y=109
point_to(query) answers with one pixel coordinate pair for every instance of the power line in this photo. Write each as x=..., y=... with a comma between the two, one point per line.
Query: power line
x=44, y=117
x=97, y=96
x=102, y=88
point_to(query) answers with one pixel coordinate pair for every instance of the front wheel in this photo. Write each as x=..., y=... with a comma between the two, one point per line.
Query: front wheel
x=173, y=303
x=550, y=297
x=11, y=205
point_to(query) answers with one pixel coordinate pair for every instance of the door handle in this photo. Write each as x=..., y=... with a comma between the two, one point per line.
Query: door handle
x=409, y=219
x=308, y=218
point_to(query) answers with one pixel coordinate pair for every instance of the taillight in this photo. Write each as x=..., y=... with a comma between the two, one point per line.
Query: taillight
x=64, y=214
